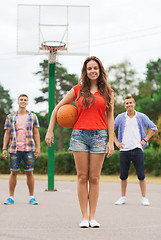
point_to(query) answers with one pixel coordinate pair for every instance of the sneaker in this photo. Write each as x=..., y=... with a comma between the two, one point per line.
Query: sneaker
x=84, y=224
x=9, y=201
x=145, y=201
x=121, y=200
x=33, y=201
x=94, y=224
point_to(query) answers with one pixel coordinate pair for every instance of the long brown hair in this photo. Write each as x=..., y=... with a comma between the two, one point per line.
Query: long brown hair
x=102, y=85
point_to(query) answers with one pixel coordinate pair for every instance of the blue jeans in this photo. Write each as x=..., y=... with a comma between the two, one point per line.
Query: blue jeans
x=137, y=157
x=93, y=141
x=28, y=158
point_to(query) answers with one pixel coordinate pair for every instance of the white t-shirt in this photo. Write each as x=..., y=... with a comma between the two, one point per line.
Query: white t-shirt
x=131, y=135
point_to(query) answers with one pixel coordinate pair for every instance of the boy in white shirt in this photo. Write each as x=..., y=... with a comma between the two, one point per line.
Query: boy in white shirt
x=132, y=139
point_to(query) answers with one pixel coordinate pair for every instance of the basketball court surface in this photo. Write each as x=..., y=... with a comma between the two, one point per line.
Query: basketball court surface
x=58, y=214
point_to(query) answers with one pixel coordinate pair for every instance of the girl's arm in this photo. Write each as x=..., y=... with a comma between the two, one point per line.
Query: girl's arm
x=69, y=98
x=110, y=127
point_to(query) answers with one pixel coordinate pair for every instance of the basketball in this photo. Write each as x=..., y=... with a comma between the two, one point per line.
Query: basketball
x=67, y=115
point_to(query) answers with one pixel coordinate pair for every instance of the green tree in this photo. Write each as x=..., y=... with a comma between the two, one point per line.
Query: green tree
x=64, y=82
x=156, y=139
x=154, y=73
x=5, y=107
x=149, y=97
x=123, y=80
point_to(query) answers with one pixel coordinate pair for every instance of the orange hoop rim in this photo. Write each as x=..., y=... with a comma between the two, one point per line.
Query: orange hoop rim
x=53, y=45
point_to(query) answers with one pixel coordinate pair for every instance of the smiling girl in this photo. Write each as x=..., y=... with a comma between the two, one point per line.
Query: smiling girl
x=95, y=102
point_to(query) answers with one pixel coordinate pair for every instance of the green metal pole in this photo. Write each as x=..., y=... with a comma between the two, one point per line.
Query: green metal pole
x=51, y=158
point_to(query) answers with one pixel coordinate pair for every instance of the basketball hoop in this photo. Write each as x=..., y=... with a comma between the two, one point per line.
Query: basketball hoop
x=53, y=47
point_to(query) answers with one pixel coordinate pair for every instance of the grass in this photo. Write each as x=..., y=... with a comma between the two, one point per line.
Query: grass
x=103, y=178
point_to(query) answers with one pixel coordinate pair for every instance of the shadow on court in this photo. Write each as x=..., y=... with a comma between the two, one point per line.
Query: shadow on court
x=58, y=215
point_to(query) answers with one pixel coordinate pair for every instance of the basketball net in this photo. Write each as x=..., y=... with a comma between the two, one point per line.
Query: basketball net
x=52, y=56
x=53, y=47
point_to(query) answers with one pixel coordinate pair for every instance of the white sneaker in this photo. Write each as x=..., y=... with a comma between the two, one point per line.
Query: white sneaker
x=84, y=224
x=145, y=201
x=121, y=200
x=94, y=224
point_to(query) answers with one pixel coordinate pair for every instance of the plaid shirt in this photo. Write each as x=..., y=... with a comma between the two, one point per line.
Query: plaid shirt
x=31, y=122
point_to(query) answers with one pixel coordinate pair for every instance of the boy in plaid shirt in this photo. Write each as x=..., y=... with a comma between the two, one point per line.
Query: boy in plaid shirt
x=21, y=132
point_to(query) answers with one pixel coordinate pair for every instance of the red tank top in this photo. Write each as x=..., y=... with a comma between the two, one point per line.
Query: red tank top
x=92, y=117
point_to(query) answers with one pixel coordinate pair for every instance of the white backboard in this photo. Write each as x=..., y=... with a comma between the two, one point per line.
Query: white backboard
x=38, y=23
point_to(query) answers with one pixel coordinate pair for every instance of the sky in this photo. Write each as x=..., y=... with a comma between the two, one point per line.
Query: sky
x=119, y=30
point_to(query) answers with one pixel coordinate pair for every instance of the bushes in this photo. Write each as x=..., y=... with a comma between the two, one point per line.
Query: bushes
x=40, y=166
x=64, y=163
x=152, y=161
x=4, y=165
x=111, y=164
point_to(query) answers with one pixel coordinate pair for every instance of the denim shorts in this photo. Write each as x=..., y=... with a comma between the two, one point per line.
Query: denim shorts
x=137, y=157
x=93, y=141
x=28, y=158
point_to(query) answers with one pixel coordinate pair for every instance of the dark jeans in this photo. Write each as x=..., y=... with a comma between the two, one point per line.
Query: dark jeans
x=28, y=158
x=137, y=157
